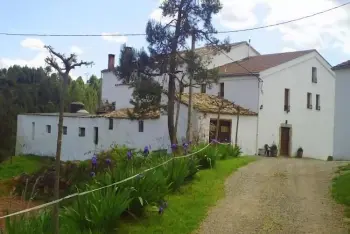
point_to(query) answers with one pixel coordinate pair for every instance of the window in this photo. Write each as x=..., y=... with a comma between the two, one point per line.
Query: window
x=96, y=135
x=110, y=124
x=222, y=90
x=48, y=128
x=140, y=125
x=286, y=100
x=64, y=130
x=81, y=132
x=203, y=88
x=309, y=101
x=314, y=75
x=33, y=130
x=318, y=105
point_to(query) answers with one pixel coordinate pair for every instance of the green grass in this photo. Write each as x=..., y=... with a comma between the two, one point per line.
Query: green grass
x=187, y=208
x=22, y=164
x=341, y=188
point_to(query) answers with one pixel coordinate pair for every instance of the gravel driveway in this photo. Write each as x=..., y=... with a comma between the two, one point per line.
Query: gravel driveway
x=278, y=195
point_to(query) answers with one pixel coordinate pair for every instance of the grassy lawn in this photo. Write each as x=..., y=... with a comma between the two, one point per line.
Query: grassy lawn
x=187, y=208
x=22, y=164
x=341, y=188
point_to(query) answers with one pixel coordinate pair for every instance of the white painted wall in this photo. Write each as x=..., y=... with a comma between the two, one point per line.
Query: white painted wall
x=242, y=90
x=246, y=130
x=125, y=132
x=342, y=115
x=311, y=129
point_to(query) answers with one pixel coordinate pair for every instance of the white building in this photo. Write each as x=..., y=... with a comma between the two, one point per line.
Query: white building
x=293, y=94
x=342, y=113
x=279, y=97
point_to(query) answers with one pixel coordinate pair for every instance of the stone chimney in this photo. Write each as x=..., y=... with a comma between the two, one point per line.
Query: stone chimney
x=111, y=61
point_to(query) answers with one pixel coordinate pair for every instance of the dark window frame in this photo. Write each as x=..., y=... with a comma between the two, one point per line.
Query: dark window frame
x=96, y=135
x=287, y=100
x=110, y=124
x=318, y=102
x=64, y=130
x=141, y=126
x=222, y=90
x=203, y=88
x=82, y=132
x=314, y=75
x=48, y=128
x=309, y=100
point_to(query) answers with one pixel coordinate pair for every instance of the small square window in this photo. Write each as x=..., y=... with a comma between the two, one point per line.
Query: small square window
x=222, y=90
x=318, y=102
x=203, y=88
x=64, y=130
x=140, y=125
x=48, y=128
x=81, y=132
x=110, y=125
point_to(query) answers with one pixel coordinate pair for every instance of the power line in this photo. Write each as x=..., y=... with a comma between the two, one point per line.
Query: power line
x=143, y=34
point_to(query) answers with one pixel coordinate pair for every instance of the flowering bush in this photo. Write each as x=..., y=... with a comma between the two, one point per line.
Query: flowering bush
x=207, y=157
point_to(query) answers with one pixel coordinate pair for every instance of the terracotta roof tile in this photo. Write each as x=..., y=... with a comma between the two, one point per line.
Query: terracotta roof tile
x=123, y=114
x=210, y=104
x=342, y=65
x=256, y=64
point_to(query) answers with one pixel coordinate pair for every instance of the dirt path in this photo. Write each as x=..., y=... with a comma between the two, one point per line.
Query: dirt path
x=278, y=196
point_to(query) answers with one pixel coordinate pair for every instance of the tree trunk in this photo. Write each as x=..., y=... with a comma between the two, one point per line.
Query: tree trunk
x=58, y=155
x=178, y=104
x=190, y=106
x=171, y=107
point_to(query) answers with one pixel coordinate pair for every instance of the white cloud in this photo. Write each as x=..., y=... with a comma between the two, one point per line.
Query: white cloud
x=76, y=50
x=33, y=43
x=288, y=49
x=115, y=39
x=318, y=32
x=37, y=61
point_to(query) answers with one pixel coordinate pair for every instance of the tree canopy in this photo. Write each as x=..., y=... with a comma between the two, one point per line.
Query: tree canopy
x=169, y=57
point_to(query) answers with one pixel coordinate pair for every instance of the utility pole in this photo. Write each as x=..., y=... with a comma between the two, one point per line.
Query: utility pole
x=190, y=91
x=237, y=125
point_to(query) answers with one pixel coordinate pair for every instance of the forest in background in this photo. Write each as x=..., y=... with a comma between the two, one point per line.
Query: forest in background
x=37, y=90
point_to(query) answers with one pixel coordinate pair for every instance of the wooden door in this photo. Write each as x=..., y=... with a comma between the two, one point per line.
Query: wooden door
x=284, y=142
x=224, y=130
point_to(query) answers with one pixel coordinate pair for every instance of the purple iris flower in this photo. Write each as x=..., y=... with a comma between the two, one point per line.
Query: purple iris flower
x=92, y=174
x=185, y=146
x=173, y=146
x=108, y=161
x=94, y=160
x=146, y=150
x=129, y=155
x=214, y=141
x=161, y=210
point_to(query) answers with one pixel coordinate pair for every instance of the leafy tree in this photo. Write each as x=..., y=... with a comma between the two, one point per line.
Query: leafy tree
x=169, y=58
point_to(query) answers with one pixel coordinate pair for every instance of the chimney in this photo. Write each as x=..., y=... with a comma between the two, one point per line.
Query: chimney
x=111, y=60
x=248, y=48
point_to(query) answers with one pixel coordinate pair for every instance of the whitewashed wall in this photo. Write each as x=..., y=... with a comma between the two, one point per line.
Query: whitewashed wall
x=242, y=90
x=124, y=132
x=311, y=129
x=342, y=115
x=246, y=130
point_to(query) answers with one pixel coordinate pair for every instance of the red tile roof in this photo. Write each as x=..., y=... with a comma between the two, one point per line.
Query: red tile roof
x=256, y=64
x=342, y=65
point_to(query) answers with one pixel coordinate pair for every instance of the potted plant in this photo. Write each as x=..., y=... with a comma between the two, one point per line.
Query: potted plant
x=300, y=152
x=273, y=150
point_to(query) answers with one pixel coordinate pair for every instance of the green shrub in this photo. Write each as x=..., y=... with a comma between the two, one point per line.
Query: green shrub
x=192, y=167
x=176, y=172
x=207, y=157
x=29, y=224
x=97, y=211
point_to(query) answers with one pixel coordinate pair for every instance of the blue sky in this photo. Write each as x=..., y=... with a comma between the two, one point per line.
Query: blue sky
x=328, y=33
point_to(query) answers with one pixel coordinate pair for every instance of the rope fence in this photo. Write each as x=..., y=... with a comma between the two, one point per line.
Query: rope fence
x=107, y=186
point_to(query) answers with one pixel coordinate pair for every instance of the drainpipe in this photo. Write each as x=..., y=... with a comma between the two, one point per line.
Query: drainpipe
x=257, y=120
